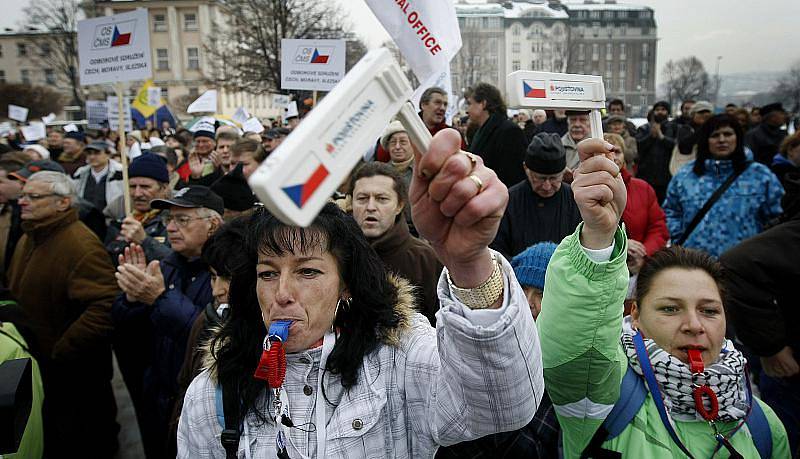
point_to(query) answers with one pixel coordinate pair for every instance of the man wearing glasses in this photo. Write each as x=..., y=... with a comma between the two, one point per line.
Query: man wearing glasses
x=161, y=300
x=62, y=276
x=541, y=208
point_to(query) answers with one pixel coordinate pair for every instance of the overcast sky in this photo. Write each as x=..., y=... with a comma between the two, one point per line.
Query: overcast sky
x=749, y=35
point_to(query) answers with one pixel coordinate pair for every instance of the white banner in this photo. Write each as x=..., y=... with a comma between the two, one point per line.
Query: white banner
x=253, y=125
x=49, y=118
x=207, y=102
x=312, y=64
x=154, y=96
x=114, y=48
x=17, y=113
x=240, y=116
x=440, y=80
x=71, y=127
x=96, y=114
x=35, y=131
x=112, y=107
x=280, y=100
x=426, y=32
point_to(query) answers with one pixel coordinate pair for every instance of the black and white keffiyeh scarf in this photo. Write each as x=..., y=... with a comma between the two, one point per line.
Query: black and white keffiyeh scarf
x=725, y=377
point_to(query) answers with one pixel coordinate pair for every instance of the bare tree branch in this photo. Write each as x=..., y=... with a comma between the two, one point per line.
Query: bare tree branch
x=787, y=89
x=687, y=79
x=57, y=46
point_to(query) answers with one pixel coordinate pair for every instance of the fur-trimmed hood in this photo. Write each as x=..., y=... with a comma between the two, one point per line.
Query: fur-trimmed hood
x=405, y=307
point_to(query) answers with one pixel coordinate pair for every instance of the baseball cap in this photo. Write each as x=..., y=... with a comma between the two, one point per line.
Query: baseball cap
x=34, y=167
x=191, y=198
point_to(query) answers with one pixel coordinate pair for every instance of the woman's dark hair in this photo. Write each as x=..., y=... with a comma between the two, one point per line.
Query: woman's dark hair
x=703, y=153
x=678, y=257
x=223, y=250
x=490, y=94
x=370, y=316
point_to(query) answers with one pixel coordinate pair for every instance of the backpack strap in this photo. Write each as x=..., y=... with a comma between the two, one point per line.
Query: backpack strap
x=632, y=395
x=227, y=405
x=759, y=428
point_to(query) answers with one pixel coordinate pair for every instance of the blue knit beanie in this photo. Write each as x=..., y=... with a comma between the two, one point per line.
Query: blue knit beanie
x=151, y=166
x=531, y=264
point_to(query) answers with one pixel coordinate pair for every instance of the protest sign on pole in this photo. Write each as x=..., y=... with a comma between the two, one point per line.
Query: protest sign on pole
x=253, y=125
x=280, y=100
x=427, y=33
x=17, y=113
x=241, y=116
x=114, y=115
x=207, y=102
x=315, y=65
x=96, y=114
x=114, y=49
x=6, y=128
x=49, y=118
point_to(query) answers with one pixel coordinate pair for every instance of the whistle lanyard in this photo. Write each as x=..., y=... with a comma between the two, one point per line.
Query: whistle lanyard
x=698, y=393
x=272, y=368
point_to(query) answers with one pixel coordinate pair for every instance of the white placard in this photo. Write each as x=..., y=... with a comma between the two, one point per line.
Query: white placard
x=312, y=64
x=154, y=96
x=96, y=114
x=207, y=102
x=15, y=112
x=114, y=48
x=6, y=128
x=426, y=32
x=49, y=118
x=241, y=115
x=35, y=131
x=253, y=125
x=280, y=100
x=70, y=128
x=112, y=107
x=290, y=110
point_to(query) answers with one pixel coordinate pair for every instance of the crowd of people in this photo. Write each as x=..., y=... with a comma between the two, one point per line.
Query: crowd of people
x=656, y=264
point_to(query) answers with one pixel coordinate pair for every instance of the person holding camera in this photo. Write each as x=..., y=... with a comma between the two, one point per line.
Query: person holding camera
x=655, y=141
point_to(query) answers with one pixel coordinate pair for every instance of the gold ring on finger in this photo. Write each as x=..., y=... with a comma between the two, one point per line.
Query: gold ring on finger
x=477, y=181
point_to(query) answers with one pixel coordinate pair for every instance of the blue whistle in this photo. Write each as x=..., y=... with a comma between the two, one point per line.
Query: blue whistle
x=280, y=329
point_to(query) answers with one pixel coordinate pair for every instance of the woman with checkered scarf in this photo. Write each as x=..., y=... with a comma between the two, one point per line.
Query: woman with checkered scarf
x=696, y=397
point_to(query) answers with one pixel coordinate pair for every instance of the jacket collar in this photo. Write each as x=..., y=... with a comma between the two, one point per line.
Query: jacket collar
x=719, y=166
x=484, y=132
x=626, y=176
x=42, y=230
x=394, y=238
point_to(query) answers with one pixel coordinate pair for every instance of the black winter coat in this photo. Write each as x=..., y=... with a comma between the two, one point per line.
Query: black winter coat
x=762, y=274
x=765, y=141
x=502, y=145
x=654, y=156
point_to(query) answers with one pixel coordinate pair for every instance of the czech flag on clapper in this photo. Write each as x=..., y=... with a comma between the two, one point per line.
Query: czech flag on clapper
x=305, y=180
x=534, y=88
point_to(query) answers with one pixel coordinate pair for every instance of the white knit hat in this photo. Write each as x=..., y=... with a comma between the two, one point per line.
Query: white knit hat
x=43, y=152
x=393, y=128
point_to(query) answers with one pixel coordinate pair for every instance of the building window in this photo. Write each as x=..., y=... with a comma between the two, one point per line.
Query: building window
x=514, y=66
x=159, y=23
x=515, y=30
x=165, y=93
x=189, y=21
x=622, y=55
x=44, y=49
x=49, y=76
x=644, y=68
x=609, y=51
x=193, y=58
x=22, y=50
x=623, y=68
x=2, y=76
x=622, y=85
x=25, y=76
x=515, y=47
x=645, y=50
x=643, y=84
x=609, y=69
x=581, y=51
x=595, y=51
x=162, y=59
x=623, y=29
x=595, y=29
x=1, y=50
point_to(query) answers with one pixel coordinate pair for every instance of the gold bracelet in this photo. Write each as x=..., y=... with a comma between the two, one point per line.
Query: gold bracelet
x=484, y=295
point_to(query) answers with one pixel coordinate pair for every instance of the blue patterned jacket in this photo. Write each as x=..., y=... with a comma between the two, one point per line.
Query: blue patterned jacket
x=741, y=212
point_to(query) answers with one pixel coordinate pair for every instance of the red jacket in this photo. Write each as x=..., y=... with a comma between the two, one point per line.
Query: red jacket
x=383, y=156
x=643, y=217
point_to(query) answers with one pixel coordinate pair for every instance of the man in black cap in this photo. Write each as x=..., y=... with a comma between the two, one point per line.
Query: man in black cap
x=161, y=300
x=272, y=138
x=72, y=157
x=765, y=139
x=541, y=208
x=655, y=141
x=235, y=193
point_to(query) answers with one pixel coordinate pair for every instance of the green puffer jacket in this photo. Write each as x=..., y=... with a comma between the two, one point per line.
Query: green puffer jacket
x=580, y=328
